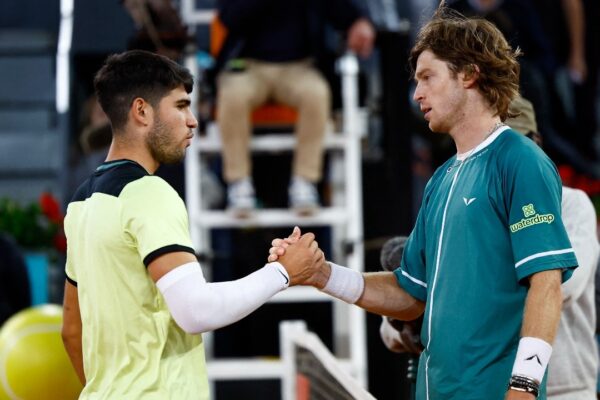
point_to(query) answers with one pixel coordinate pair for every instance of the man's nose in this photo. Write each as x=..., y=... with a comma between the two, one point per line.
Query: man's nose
x=192, y=122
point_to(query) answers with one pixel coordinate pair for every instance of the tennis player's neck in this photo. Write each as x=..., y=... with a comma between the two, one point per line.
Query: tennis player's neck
x=470, y=135
x=137, y=154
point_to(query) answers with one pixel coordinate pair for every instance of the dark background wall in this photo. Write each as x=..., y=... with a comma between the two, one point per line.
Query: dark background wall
x=30, y=14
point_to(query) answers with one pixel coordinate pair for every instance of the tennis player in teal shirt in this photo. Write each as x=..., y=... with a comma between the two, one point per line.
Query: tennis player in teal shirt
x=489, y=251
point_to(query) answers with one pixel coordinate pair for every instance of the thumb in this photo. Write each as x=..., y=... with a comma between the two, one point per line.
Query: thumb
x=295, y=234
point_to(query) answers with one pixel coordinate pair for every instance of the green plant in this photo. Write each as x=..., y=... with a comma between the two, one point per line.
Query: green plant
x=35, y=226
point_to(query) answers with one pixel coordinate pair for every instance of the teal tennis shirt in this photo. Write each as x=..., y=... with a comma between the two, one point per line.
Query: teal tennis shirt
x=486, y=224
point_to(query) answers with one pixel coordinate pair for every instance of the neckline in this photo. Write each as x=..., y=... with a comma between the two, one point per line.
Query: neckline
x=486, y=142
x=115, y=163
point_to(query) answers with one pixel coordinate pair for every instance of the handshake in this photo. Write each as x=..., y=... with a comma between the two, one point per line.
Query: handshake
x=377, y=292
x=306, y=265
x=302, y=258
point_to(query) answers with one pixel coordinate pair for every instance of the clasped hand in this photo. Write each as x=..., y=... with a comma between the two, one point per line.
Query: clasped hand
x=301, y=257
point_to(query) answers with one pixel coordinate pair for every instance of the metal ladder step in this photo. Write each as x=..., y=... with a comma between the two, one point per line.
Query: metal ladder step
x=272, y=142
x=273, y=217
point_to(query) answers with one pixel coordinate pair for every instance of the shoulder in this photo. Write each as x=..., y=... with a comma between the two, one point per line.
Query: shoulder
x=516, y=152
x=152, y=188
x=83, y=191
x=110, y=182
x=512, y=144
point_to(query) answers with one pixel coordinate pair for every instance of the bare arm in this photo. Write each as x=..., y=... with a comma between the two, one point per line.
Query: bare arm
x=383, y=296
x=543, y=306
x=542, y=314
x=71, y=329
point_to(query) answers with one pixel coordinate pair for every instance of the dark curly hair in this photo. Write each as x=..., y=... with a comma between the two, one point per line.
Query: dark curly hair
x=464, y=43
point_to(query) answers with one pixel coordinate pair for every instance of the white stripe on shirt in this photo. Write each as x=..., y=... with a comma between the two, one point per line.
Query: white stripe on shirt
x=544, y=254
x=415, y=280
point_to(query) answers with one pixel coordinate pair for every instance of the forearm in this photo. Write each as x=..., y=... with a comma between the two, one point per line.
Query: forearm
x=72, y=329
x=382, y=295
x=540, y=323
x=543, y=306
x=74, y=350
x=378, y=292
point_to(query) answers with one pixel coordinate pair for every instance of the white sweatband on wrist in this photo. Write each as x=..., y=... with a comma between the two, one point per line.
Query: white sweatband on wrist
x=532, y=358
x=344, y=283
x=198, y=306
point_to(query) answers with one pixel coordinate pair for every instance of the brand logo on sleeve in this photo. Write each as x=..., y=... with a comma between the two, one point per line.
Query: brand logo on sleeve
x=531, y=218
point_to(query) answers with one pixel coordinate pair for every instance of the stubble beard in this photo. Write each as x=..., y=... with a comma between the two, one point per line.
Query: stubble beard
x=455, y=106
x=162, y=146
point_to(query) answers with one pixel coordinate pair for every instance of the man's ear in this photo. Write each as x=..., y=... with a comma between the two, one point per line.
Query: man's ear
x=141, y=112
x=470, y=75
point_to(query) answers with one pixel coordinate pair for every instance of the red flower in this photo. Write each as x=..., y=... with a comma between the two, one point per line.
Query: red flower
x=51, y=208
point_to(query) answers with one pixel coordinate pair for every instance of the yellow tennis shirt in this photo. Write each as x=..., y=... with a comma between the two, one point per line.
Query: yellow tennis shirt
x=119, y=220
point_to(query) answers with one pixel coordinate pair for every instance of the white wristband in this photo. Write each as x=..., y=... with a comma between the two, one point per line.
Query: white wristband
x=281, y=269
x=345, y=284
x=532, y=358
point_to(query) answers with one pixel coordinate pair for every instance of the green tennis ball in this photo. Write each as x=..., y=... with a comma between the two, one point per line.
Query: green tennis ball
x=34, y=364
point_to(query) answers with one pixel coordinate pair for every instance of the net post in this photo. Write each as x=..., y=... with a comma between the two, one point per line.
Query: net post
x=288, y=330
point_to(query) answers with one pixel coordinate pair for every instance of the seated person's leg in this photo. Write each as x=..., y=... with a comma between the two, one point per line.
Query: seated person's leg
x=304, y=88
x=238, y=94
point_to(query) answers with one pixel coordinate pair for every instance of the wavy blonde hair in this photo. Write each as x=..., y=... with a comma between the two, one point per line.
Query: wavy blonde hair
x=464, y=43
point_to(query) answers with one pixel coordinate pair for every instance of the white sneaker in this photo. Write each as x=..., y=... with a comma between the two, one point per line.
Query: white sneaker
x=303, y=196
x=241, y=199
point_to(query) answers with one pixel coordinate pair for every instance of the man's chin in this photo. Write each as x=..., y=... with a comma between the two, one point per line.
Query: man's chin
x=435, y=128
x=173, y=159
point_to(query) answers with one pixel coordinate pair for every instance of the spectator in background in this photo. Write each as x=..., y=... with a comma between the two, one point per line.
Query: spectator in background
x=159, y=27
x=14, y=283
x=269, y=54
x=586, y=92
x=570, y=26
x=574, y=363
